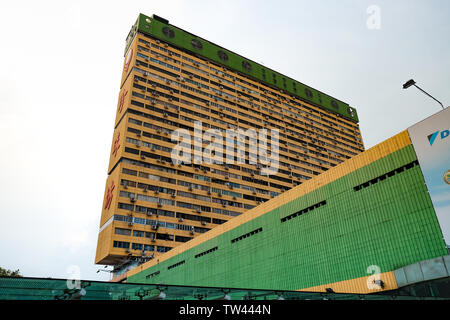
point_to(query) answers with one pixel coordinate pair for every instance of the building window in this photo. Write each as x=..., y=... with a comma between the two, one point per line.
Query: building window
x=124, y=232
x=137, y=233
x=121, y=244
x=148, y=247
x=125, y=206
x=163, y=249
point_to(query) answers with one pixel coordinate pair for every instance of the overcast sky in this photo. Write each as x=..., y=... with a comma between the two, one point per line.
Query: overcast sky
x=61, y=64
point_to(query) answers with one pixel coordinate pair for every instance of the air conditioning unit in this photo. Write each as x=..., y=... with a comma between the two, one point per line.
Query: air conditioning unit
x=180, y=220
x=203, y=223
x=132, y=199
x=199, y=211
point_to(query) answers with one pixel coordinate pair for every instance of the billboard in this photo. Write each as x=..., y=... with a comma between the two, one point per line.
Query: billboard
x=431, y=141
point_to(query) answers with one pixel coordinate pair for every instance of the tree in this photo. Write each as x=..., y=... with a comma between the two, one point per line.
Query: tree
x=10, y=273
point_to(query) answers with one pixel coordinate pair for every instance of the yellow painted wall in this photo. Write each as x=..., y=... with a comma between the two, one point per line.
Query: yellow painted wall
x=358, y=285
x=130, y=57
x=104, y=244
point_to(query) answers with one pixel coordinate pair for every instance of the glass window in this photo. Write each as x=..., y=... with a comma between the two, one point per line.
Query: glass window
x=121, y=244
x=125, y=232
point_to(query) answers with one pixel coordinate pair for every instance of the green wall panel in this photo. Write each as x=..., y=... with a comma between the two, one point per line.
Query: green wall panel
x=389, y=224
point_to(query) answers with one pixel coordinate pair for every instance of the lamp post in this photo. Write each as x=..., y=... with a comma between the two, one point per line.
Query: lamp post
x=411, y=82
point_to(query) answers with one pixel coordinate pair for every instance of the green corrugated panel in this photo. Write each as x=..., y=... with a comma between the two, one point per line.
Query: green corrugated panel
x=389, y=224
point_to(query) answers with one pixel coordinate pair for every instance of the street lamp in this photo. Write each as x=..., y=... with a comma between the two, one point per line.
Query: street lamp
x=411, y=82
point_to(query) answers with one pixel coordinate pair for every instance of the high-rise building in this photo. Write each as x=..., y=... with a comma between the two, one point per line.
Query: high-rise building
x=175, y=86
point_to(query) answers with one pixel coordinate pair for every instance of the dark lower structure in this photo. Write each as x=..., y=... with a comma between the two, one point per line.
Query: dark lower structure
x=57, y=289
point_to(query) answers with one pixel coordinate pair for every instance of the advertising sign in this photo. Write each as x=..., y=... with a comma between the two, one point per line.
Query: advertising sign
x=431, y=141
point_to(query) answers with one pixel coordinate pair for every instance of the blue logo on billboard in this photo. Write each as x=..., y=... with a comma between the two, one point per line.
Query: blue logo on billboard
x=443, y=134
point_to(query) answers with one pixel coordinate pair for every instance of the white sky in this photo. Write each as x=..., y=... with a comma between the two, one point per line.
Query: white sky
x=61, y=64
